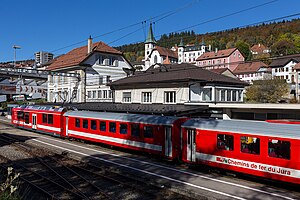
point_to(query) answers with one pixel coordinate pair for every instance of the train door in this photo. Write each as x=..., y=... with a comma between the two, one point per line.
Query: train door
x=33, y=121
x=168, y=141
x=191, y=145
x=67, y=126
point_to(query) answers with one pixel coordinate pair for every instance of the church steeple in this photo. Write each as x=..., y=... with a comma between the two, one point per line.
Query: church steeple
x=150, y=38
x=181, y=43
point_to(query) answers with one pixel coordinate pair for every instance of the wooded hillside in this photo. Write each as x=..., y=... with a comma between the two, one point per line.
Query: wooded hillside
x=282, y=37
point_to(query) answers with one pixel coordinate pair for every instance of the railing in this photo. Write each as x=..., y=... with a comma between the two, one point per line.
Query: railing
x=35, y=72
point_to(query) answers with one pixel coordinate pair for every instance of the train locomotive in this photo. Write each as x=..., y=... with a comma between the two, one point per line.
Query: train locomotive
x=263, y=149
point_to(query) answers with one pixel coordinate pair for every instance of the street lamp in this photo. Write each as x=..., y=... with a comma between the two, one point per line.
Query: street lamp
x=15, y=53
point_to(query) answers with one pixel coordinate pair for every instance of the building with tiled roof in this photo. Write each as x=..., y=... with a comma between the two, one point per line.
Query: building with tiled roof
x=283, y=67
x=97, y=64
x=177, y=84
x=251, y=71
x=227, y=58
x=260, y=51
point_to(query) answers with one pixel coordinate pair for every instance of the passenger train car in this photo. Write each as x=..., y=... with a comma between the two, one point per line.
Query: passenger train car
x=148, y=133
x=269, y=150
x=264, y=149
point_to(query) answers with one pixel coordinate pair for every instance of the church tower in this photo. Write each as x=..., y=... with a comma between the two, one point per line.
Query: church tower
x=181, y=51
x=149, y=43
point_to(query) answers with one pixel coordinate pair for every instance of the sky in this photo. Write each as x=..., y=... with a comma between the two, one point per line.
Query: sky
x=55, y=25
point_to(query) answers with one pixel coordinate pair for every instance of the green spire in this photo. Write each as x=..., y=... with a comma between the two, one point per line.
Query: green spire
x=181, y=43
x=150, y=38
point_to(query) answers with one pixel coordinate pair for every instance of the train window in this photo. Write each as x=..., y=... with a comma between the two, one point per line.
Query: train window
x=20, y=114
x=250, y=145
x=93, y=124
x=85, y=123
x=26, y=118
x=279, y=149
x=50, y=119
x=44, y=118
x=148, y=132
x=123, y=128
x=102, y=126
x=112, y=127
x=77, y=123
x=225, y=142
x=135, y=130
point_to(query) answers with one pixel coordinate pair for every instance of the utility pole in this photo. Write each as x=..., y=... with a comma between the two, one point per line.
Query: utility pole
x=15, y=54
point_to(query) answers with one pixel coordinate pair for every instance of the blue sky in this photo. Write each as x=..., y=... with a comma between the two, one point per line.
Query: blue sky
x=38, y=25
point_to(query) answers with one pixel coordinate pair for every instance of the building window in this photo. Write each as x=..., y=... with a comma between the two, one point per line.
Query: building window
x=85, y=123
x=135, y=130
x=250, y=145
x=99, y=94
x=112, y=127
x=148, y=132
x=123, y=128
x=93, y=124
x=77, y=123
x=126, y=96
x=103, y=126
x=100, y=80
x=228, y=95
x=89, y=94
x=206, y=94
x=110, y=94
x=155, y=59
x=105, y=94
x=146, y=97
x=108, y=79
x=279, y=149
x=94, y=94
x=170, y=97
x=225, y=142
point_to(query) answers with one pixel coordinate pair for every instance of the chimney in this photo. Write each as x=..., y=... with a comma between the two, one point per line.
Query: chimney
x=216, y=50
x=90, y=44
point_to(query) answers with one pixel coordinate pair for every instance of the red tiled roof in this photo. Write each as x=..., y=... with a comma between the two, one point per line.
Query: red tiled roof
x=78, y=55
x=249, y=67
x=166, y=52
x=219, y=70
x=297, y=66
x=219, y=54
x=259, y=48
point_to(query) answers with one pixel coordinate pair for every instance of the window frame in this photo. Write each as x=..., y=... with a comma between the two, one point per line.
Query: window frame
x=77, y=123
x=122, y=128
x=225, y=144
x=134, y=127
x=145, y=132
x=93, y=122
x=50, y=118
x=246, y=143
x=110, y=127
x=101, y=123
x=85, y=123
x=280, y=149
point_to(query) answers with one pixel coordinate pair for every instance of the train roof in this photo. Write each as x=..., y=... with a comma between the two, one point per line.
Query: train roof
x=246, y=127
x=138, y=118
x=42, y=107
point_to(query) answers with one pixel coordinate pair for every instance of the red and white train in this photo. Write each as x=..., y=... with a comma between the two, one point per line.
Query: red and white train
x=269, y=150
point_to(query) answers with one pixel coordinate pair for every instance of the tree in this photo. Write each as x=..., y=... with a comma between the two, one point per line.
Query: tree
x=244, y=48
x=267, y=91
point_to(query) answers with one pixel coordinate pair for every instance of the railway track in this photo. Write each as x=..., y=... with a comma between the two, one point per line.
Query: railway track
x=59, y=177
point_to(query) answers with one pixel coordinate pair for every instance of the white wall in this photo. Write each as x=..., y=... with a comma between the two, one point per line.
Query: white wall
x=182, y=95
